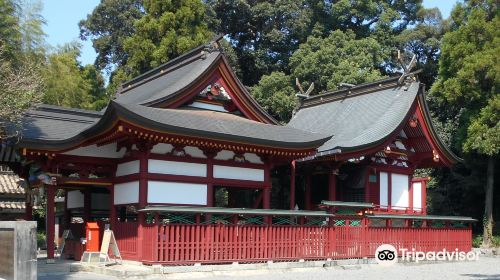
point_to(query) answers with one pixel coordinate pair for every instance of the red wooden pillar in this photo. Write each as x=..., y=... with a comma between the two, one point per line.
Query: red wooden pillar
x=410, y=195
x=424, y=196
x=210, y=177
x=50, y=222
x=332, y=186
x=307, y=196
x=112, y=208
x=389, y=191
x=292, y=185
x=266, y=203
x=143, y=189
x=87, y=198
x=28, y=214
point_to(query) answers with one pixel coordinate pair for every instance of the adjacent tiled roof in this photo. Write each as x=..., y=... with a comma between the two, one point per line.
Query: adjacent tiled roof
x=48, y=122
x=12, y=205
x=9, y=183
x=357, y=117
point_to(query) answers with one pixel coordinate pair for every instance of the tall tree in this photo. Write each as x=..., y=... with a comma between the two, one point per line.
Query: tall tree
x=327, y=62
x=107, y=27
x=468, y=85
x=423, y=39
x=266, y=33
x=68, y=84
x=168, y=29
x=10, y=30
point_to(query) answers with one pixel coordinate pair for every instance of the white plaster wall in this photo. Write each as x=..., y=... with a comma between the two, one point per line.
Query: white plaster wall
x=206, y=106
x=224, y=155
x=99, y=201
x=126, y=193
x=384, y=188
x=194, y=152
x=75, y=199
x=417, y=195
x=162, y=148
x=126, y=168
x=177, y=193
x=177, y=168
x=240, y=173
x=105, y=151
x=253, y=158
x=400, y=194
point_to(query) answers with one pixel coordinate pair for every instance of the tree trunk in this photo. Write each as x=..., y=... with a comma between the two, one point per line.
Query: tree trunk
x=488, y=205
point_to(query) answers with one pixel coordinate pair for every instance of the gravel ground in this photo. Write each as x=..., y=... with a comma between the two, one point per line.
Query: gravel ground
x=484, y=268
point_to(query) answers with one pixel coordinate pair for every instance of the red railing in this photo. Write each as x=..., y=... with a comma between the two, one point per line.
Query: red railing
x=222, y=243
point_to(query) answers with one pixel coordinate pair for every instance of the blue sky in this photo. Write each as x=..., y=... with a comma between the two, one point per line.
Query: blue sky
x=62, y=18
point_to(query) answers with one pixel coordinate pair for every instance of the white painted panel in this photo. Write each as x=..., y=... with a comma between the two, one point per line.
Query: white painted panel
x=126, y=193
x=240, y=173
x=105, y=151
x=417, y=195
x=384, y=188
x=177, y=193
x=206, y=106
x=253, y=158
x=75, y=199
x=99, y=201
x=194, y=152
x=177, y=168
x=162, y=148
x=225, y=155
x=126, y=168
x=400, y=194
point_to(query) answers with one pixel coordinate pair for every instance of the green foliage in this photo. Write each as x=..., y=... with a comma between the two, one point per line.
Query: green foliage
x=107, y=26
x=68, y=84
x=10, y=31
x=276, y=94
x=168, y=29
x=423, y=40
x=338, y=58
x=266, y=33
x=41, y=240
x=469, y=76
x=477, y=240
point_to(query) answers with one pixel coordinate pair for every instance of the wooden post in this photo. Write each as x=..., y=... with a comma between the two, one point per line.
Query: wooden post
x=389, y=191
x=266, y=204
x=210, y=154
x=424, y=196
x=143, y=189
x=307, y=196
x=112, y=208
x=87, y=200
x=332, y=186
x=50, y=223
x=292, y=185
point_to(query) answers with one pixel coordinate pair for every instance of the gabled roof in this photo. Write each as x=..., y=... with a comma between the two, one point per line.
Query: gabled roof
x=356, y=120
x=192, y=123
x=176, y=80
x=366, y=117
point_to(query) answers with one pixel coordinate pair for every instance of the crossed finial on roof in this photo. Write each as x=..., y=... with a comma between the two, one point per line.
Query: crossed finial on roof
x=406, y=69
x=303, y=94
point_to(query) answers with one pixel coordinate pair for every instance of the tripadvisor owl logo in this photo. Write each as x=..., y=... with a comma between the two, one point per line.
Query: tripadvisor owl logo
x=386, y=255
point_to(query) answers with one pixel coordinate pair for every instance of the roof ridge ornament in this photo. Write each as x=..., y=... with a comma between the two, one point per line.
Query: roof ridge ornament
x=301, y=95
x=406, y=69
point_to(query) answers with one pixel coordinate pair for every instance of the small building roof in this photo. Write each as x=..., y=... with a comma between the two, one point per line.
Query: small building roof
x=9, y=184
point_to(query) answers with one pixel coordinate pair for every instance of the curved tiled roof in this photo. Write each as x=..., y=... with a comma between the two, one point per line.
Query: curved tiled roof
x=357, y=121
x=195, y=123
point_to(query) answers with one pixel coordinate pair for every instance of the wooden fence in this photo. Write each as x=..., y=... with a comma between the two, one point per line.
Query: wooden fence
x=224, y=243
